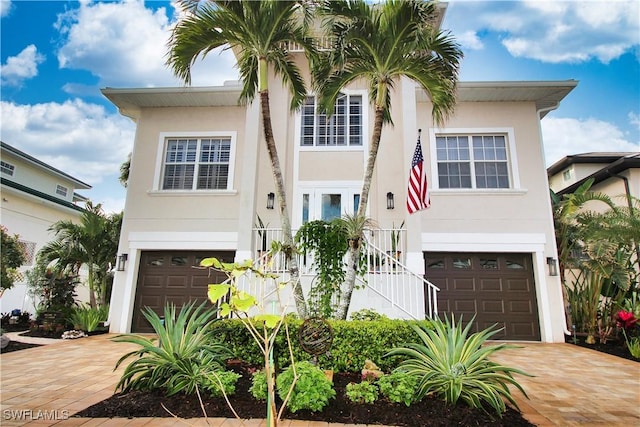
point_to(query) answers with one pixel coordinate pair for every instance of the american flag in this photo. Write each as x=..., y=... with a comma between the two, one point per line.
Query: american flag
x=418, y=192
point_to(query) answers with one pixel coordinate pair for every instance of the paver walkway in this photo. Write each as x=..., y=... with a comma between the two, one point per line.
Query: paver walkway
x=572, y=386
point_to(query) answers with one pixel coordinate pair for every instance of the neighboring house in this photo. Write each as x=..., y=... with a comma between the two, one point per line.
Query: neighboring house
x=614, y=174
x=34, y=196
x=200, y=178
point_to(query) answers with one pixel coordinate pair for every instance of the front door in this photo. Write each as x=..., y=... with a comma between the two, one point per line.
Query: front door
x=328, y=203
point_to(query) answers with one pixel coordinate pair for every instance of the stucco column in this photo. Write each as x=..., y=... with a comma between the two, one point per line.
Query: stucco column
x=248, y=182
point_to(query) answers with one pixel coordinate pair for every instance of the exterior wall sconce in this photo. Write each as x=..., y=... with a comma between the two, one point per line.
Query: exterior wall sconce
x=270, y=200
x=390, y=202
x=122, y=260
x=553, y=266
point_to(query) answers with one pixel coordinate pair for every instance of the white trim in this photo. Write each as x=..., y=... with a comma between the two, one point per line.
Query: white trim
x=511, y=144
x=166, y=240
x=162, y=137
x=191, y=193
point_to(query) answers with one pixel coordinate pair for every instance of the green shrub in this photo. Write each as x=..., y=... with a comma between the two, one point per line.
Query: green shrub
x=363, y=392
x=258, y=387
x=312, y=390
x=354, y=342
x=182, y=357
x=226, y=379
x=398, y=387
x=452, y=366
x=367, y=314
x=86, y=318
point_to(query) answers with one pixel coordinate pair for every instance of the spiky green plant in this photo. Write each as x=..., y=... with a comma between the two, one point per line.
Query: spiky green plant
x=455, y=366
x=182, y=358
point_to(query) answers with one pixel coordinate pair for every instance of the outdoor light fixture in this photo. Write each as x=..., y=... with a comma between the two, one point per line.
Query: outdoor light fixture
x=390, y=202
x=553, y=266
x=270, y=199
x=122, y=260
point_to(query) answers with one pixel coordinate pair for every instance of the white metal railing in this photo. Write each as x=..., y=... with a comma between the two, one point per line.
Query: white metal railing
x=386, y=275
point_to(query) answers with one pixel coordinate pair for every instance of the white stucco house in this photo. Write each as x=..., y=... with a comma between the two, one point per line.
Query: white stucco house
x=200, y=180
x=34, y=196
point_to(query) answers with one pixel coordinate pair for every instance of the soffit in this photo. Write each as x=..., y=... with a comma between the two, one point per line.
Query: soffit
x=545, y=94
x=131, y=101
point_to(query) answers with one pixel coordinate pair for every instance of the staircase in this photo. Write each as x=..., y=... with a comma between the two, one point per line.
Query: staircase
x=388, y=286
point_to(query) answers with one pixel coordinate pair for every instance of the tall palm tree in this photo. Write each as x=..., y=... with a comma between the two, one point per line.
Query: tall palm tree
x=91, y=242
x=379, y=44
x=259, y=33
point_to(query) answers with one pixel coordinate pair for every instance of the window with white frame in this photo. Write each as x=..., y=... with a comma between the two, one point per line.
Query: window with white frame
x=472, y=161
x=61, y=190
x=7, y=168
x=343, y=128
x=196, y=163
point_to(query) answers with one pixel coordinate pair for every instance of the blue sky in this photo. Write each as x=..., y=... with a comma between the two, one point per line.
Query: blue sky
x=56, y=55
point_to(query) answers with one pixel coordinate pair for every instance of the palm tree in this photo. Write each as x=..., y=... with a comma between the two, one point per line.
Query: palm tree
x=92, y=242
x=379, y=44
x=259, y=33
x=125, y=169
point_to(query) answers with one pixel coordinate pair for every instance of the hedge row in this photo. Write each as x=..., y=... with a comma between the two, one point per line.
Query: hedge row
x=354, y=341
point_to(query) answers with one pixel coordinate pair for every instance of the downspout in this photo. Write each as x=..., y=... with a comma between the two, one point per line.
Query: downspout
x=555, y=255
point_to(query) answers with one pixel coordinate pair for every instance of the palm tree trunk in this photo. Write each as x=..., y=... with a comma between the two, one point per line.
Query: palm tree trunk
x=353, y=254
x=92, y=290
x=290, y=253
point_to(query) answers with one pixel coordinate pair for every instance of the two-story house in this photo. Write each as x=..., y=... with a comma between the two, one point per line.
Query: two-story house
x=200, y=178
x=34, y=196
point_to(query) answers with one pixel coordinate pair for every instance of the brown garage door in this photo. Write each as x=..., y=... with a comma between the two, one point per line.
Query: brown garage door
x=169, y=276
x=496, y=288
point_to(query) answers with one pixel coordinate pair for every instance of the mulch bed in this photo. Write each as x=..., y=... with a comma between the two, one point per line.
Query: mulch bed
x=429, y=412
x=17, y=345
x=615, y=347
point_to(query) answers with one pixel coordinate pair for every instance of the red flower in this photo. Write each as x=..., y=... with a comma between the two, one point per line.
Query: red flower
x=626, y=319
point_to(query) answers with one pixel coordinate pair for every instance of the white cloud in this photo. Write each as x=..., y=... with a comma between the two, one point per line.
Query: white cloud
x=124, y=44
x=565, y=136
x=76, y=137
x=556, y=31
x=21, y=67
x=469, y=40
x=5, y=7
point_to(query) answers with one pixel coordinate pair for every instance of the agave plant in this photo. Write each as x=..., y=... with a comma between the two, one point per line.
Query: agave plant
x=452, y=365
x=183, y=357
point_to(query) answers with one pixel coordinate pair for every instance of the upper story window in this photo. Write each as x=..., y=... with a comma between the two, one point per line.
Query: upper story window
x=61, y=190
x=472, y=161
x=567, y=174
x=197, y=164
x=7, y=168
x=342, y=129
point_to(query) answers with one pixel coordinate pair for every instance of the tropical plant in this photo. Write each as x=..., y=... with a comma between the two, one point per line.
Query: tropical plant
x=87, y=319
x=327, y=243
x=13, y=256
x=183, y=357
x=92, y=242
x=379, y=44
x=259, y=33
x=451, y=364
x=222, y=383
x=263, y=328
x=125, y=169
x=398, y=387
x=306, y=386
x=598, y=257
x=362, y=392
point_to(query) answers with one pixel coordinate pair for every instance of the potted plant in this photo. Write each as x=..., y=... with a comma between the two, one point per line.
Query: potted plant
x=395, y=252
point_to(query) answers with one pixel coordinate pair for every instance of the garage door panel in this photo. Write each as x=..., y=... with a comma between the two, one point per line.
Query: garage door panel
x=492, y=284
x=495, y=288
x=153, y=281
x=169, y=277
x=463, y=284
x=493, y=307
